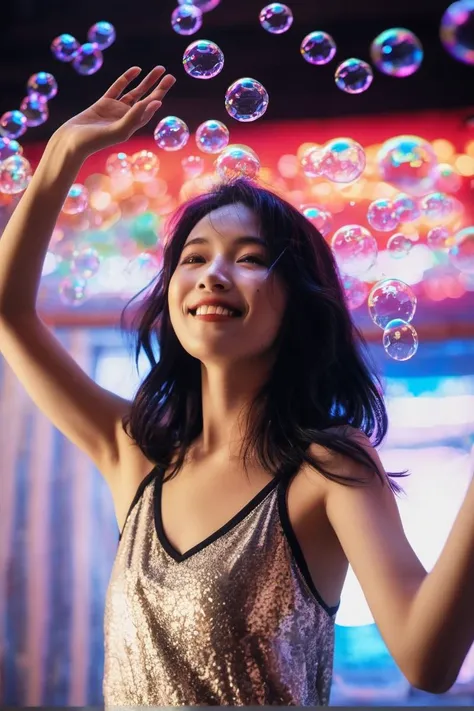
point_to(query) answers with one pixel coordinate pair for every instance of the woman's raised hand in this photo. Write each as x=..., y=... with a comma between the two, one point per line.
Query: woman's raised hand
x=118, y=113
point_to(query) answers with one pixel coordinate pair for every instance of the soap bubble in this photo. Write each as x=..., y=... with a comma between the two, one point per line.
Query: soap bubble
x=102, y=34
x=382, y=216
x=318, y=48
x=447, y=179
x=77, y=200
x=461, y=253
x=145, y=165
x=192, y=166
x=212, y=136
x=354, y=249
x=400, y=340
x=276, y=18
x=391, y=299
x=171, y=133
x=89, y=59
x=408, y=163
x=44, y=84
x=406, y=208
x=343, y=160
x=353, y=76
x=186, y=19
x=9, y=147
x=399, y=245
x=397, y=52
x=437, y=237
x=237, y=160
x=457, y=30
x=35, y=108
x=246, y=100
x=65, y=47
x=355, y=291
x=437, y=205
x=203, y=5
x=312, y=161
x=85, y=262
x=203, y=59
x=15, y=174
x=73, y=291
x=13, y=124
x=319, y=217
x=119, y=164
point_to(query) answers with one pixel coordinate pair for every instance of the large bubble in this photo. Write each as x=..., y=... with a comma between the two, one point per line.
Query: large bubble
x=65, y=47
x=186, y=19
x=171, y=133
x=382, y=216
x=237, y=161
x=343, y=160
x=212, y=136
x=409, y=163
x=203, y=59
x=276, y=18
x=88, y=60
x=354, y=76
x=391, y=299
x=102, y=34
x=13, y=124
x=457, y=30
x=397, y=52
x=400, y=340
x=318, y=48
x=44, y=84
x=354, y=249
x=461, y=253
x=15, y=174
x=246, y=100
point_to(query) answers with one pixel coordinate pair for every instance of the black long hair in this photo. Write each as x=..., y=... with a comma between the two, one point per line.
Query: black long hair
x=322, y=376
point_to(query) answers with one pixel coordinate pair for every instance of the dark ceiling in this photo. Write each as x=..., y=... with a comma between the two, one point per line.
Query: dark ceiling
x=297, y=89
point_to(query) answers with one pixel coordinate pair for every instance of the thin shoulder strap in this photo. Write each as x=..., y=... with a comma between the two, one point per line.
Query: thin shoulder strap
x=141, y=488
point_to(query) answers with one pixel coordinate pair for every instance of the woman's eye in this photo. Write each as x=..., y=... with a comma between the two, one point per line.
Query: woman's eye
x=192, y=257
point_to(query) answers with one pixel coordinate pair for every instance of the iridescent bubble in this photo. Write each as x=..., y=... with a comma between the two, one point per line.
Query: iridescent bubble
x=353, y=76
x=102, y=34
x=193, y=166
x=437, y=237
x=35, y=108
x=246, y=100
x=171, y=134
x=457, y=30
x=77, y=200
x=382, y=216
x=447, y=179
x=203, y=59
x=9, y=147
x=13, y=124
x=399, y=245
x=65, y=47
x=343, y=160
x=355, y=291
x=354, y=249
x=15, y=174
x=312, y=161
x=212, y=136
x=276, y=18
x=85, y=262
x=437, y=205
x=461, y=254
x=44, y=84
x=186, y=19
x=400, y=340
x=408, y=163
x=236, y=161
x=89, y=59
x=145, y=166
x=391, y=299
x=73, y=291
x=397, y=52
x=318, y=48
x=319, y=217
x=406, y=208
x=119, y=164
x=203, y=5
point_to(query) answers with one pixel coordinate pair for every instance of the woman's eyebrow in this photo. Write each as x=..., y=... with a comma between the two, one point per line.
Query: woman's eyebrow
x=244, y=239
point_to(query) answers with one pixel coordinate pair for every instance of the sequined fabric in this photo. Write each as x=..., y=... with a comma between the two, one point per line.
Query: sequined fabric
x=231, y=622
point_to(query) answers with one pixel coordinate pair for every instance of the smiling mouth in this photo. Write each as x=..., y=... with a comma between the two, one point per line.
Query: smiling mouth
x=230, y=313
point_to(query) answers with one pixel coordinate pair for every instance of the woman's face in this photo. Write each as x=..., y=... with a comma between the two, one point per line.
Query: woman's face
x=225, y=258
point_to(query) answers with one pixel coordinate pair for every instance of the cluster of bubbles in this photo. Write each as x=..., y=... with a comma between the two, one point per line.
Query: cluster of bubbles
x=85, y=58
x=33, y=111
x=341, y=160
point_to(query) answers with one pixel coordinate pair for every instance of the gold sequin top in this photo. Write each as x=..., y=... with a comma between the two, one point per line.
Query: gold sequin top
x=235, y=621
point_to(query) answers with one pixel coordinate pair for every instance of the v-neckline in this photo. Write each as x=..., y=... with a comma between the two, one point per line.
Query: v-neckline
x=239, y=516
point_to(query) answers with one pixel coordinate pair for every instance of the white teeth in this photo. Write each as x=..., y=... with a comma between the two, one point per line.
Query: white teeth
x=202, y=310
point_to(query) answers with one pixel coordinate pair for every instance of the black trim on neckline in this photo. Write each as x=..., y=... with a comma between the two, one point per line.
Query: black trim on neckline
x=296, y=549
x=237, y=518
x=141, y=488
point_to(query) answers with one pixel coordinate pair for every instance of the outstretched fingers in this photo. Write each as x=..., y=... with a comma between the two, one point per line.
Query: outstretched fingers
x=131, y=97
x=120, y=84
